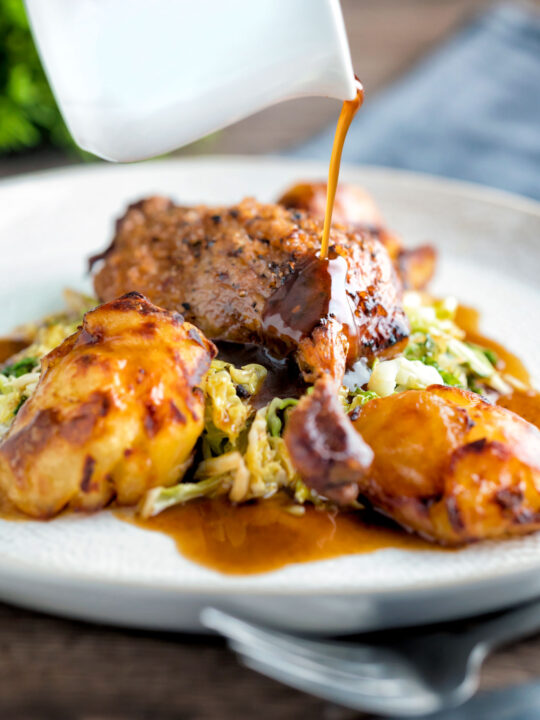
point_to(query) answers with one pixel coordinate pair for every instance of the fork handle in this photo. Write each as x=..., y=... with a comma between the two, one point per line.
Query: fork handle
x=513, y=625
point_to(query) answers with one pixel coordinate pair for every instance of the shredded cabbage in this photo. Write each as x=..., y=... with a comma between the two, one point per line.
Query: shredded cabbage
x=20, y=375
x=226, y=413
x=260, y=471
x=267, y=459
x=160, y=498
x=391, y=376
x=277, y=413
x=437, y=342
x=355, y=399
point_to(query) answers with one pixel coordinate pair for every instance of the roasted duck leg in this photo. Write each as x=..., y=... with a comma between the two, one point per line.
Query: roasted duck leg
x=232, y=272
x=356, y=208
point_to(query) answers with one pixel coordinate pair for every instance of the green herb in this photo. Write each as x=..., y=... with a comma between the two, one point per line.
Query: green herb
x=423, y=351
x=448, y=377
x=20, y=404
x=474, y=387
x=276, y=416
x=21, y=367
x=28, y=110
x=359, y=399
x=491, y=356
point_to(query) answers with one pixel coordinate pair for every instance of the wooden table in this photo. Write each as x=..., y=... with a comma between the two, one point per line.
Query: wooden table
x=55, y=669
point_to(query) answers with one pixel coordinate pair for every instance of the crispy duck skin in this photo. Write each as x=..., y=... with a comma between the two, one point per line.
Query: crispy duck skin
x=450, y=466
x=220, y=266
x=355, y=207
x=117, y=410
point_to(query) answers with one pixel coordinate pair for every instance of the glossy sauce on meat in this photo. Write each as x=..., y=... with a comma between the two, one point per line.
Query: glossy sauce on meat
x=264, y=536
x=316, y=291
x=283, y=379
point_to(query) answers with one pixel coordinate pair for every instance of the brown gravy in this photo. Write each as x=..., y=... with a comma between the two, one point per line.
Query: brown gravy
x=264, y=536
x=469, y=320
x=317, y=289
x=348, y=111
x=283, y=379
x=526, y=402
x=9, y=346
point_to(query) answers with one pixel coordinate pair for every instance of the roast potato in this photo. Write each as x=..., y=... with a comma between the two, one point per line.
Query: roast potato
x=117, y=410
x=450, y=466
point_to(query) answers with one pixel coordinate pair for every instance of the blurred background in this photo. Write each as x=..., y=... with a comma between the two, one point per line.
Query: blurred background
x=388, y=39
x=452, y=87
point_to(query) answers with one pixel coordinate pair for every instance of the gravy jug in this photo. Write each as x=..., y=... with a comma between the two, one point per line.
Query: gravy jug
x=134, y=79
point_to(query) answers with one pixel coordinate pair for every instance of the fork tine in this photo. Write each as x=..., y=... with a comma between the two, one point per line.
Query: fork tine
x=409, y=704
x=358, y=659
x=313, y=670
x=320, y=673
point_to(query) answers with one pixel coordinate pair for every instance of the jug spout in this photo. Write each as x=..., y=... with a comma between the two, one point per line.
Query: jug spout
x=135, y=79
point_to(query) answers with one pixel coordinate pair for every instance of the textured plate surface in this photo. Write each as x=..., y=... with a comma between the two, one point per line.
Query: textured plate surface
x=100, y=568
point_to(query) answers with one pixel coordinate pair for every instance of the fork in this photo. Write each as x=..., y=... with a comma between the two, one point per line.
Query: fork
x=423, y=672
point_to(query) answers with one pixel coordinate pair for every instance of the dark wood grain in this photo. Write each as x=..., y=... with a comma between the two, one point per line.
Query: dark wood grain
x=53, y=669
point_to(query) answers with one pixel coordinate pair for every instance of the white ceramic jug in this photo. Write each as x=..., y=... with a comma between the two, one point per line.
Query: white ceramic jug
x=138, y=78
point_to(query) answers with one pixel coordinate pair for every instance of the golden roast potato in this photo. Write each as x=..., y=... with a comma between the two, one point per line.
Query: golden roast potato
x=450, y=466
x=117, y=410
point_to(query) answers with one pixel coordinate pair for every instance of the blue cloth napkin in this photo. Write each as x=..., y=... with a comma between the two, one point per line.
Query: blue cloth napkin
x=517, y=703
x=470, y=111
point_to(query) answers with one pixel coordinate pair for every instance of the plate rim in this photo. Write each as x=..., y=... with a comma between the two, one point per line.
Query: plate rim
x=236, y=583
x=463, y=188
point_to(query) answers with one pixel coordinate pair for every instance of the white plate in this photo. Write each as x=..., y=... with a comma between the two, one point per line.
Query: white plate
x=102, y=569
